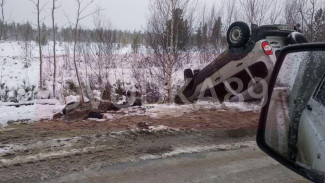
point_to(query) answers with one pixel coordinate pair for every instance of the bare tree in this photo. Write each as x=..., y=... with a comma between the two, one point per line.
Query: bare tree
x=168, y=33
x=256, y=11
x=276, y=10
x=81, y=8
x=209, y=34
x=2, y=4
x=54, y=7
x=38, y=14
x=291, y=12
x=319, y=26
x=312, y=11
x=231, y=9
x=302, y=12
x=101, y=50
x=171, y=52
x=301, y=6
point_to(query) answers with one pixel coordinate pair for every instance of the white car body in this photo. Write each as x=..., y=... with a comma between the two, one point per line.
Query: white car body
x=311, y=133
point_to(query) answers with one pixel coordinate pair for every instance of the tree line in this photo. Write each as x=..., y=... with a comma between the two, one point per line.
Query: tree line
x=13, y=31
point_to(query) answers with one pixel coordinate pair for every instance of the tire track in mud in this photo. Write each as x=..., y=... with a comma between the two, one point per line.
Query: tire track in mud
x=49, y=149
x=98, y=151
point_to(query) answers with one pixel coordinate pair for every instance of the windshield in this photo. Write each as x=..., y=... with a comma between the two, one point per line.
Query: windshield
x=141, y=91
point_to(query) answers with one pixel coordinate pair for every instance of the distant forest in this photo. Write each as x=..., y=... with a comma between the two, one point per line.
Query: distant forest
x=26, y=32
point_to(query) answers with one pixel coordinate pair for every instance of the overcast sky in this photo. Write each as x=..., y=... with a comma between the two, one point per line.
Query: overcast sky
x=123, y=14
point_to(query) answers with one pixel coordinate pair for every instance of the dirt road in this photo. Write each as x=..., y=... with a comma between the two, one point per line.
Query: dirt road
x=246, y=165
x=47, y=150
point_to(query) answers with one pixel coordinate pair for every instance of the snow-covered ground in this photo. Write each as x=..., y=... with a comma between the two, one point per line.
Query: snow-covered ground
x=43, y=109
x=19, y=77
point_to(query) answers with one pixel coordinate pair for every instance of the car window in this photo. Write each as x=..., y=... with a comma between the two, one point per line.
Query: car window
x=320, y=94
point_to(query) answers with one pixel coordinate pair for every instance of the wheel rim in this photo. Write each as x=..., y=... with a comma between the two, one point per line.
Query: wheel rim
x=235, y=35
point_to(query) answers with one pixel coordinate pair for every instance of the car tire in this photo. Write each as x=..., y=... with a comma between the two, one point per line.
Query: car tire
x=297, y=38
x=188, y=74
x=238, y=34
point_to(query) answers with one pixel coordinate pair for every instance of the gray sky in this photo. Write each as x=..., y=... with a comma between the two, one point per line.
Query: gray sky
x=123, y=14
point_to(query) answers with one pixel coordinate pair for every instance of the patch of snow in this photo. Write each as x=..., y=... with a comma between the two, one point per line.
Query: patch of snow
x=12, y=113
x=59, y=142
x=41, y=156
x=4, y=129
x=46, y=111
x=152, y=129
x=43, y=94
x=158, y=128
x=48, y=102
x=33, y=112
x=72, y=98
x=159, y=110
x=198, y=149
x=242, y=106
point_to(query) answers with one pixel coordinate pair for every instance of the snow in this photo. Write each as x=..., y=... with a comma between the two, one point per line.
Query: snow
x=48, y=102
x=71, y=98
x=11, y=113
x=20, y=70
x=59, y=142
x=158, y=110
x=43, y=94
x=154, y=129
x=13, y=71
x=41, y=156
x=46, y=111
x=29, y=113
x=158, y=128
x=198, y=149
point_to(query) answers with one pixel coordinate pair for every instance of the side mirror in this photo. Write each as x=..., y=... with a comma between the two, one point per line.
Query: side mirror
x=292, y=122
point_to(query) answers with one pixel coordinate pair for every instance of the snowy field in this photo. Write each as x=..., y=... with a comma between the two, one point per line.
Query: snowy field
x=19, y=77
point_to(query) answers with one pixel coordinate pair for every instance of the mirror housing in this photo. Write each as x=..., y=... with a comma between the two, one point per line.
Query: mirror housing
x=313, y=175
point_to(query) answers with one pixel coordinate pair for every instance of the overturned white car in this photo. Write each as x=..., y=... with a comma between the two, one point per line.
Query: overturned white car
x=241, y=71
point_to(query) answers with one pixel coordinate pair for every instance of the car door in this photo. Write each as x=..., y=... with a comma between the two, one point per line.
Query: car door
x=311, y=133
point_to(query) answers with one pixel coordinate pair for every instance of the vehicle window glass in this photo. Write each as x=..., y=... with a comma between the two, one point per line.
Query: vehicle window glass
x=320, y=95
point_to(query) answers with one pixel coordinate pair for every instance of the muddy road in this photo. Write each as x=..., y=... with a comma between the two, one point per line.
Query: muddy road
x=49, y=149
x=245, y=165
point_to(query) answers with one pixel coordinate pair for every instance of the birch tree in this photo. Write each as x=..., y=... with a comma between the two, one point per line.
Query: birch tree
x=54, y=7
x=81, y=14
x=39, y=9
x=169, y=29
x=2, y=4
x=171, y=52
